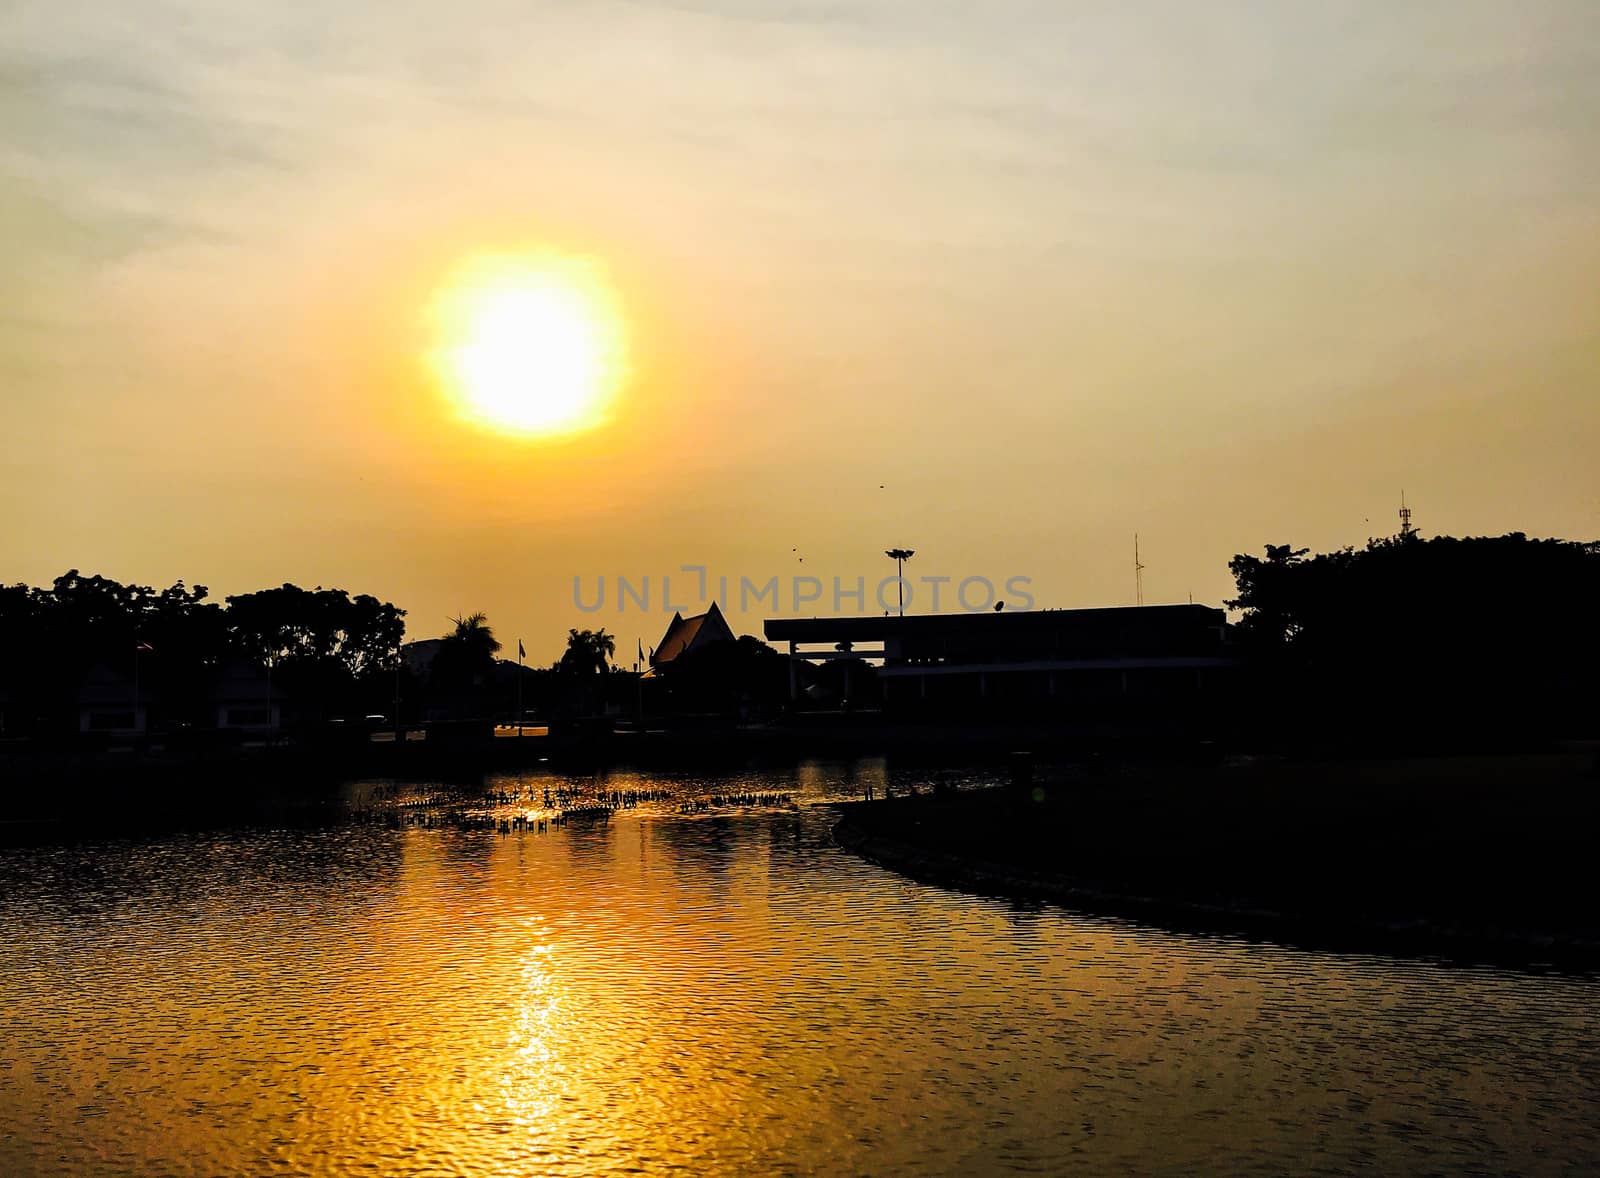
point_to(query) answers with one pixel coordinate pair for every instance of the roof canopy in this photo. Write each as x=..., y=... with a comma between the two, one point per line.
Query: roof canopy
x=1142, y=619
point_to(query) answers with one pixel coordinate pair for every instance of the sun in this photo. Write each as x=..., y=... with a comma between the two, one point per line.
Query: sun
x=529, y=344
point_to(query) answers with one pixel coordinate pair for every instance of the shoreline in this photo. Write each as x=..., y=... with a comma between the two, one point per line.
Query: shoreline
x=892, y=835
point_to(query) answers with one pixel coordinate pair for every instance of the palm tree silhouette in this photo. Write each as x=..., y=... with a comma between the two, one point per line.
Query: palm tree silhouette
x=474, y=638
x=588, y=650
x=463, y=665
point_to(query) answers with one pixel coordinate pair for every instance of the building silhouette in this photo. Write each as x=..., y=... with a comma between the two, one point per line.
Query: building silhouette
x=1152, y=662
x=689, y=635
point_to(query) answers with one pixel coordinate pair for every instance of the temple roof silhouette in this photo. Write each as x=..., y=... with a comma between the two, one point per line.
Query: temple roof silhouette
x=686, y=634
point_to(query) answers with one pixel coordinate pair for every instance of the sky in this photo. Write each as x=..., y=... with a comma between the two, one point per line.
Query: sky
x=1004, y=284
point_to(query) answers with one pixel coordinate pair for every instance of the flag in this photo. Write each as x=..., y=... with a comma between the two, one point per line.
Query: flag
x=521, y=653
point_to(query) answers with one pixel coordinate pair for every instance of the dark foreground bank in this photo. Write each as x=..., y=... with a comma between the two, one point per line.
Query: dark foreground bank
x=1480, y=858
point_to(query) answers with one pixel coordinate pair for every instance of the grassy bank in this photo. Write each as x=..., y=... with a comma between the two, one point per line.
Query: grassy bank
x=1484, y=855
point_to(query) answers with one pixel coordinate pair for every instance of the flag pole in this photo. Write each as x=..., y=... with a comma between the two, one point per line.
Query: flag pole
x=399, y=659
x=519, y=688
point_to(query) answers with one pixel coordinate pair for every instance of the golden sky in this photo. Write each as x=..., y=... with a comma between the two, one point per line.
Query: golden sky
x=1048, y=273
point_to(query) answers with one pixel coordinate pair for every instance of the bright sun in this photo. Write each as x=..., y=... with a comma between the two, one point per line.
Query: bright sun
x=529, y=344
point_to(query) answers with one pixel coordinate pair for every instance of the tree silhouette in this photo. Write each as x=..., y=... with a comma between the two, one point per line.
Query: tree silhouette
x=580, y=669
x=290, y=626
x=1407, y=638
x=326, y=647
x=587, y=651
x=1269, y=594
x=473, y=636
x=462, y=667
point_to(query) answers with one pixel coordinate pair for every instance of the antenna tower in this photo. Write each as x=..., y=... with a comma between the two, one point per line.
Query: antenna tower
x=1138, y=573
x=1405, y=518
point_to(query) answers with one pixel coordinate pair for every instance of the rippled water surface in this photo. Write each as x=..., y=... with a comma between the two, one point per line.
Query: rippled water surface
x=722, y=992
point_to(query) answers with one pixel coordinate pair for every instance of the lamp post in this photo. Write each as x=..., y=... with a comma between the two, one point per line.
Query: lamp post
x=900, y=556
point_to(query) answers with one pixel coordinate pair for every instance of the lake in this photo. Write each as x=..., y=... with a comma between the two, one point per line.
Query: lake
x=717, y=992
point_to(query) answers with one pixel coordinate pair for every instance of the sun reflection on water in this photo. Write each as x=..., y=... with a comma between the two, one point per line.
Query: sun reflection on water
x=721, y=995
x=528, y=1086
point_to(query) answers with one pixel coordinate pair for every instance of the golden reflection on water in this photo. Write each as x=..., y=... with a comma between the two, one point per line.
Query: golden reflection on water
x=527, y=1090
x=725, y=995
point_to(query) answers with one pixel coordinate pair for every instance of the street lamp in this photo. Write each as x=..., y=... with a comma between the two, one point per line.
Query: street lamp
x=900, y=556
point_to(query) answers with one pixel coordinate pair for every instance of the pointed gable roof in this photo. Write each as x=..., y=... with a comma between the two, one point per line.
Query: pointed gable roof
x=686, y=634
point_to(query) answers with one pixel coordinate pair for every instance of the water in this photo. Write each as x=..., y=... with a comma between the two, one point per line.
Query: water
x=720, y=993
